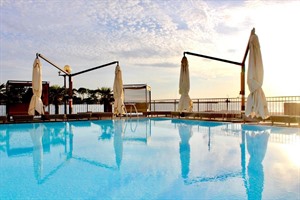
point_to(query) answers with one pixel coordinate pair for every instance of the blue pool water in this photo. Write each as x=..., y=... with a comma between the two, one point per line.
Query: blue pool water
x=148, y=159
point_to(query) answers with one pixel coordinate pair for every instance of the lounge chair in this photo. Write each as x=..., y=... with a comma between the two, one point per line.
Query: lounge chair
x=176, y=114
x=54, y=117
x=22, y=118
x=286, y=119
x=222, y=115
x=84, y=115
x=72, y=116
x=100, y=115
x=157, y=113
x=3, y=119
x=185, y=114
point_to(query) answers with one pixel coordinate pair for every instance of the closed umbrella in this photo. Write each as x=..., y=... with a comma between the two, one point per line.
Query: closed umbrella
x=36, y=103
x=185, y=102
x=256, y=101
x=118, y=92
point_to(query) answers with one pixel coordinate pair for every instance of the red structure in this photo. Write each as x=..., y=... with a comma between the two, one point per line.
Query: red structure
x=19, y=94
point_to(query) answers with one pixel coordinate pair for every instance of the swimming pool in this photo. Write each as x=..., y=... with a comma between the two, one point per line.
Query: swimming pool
x=155, y=158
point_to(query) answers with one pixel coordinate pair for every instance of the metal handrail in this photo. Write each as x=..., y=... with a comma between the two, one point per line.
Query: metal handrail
x=275, y=105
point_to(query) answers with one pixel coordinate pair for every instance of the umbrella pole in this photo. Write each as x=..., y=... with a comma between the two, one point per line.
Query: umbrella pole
x=70, y=77
x=65, y=103
x=70, y=95
x=243, y=73
x=242, y=92
x=242, y=64
x=51, y=63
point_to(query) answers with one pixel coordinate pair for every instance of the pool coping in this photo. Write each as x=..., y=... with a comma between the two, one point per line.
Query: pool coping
x=273, y=120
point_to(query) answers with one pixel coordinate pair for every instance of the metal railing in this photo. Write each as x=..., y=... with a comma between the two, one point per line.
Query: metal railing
x=199, y=105
x=61, y=109
x=275, y=105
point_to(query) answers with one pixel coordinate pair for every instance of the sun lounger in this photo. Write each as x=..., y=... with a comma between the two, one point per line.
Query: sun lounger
x=22, y=118
x=72, y=116
x=79, y=116
x=176, y=114
x=54, y=117
x=84, y=116
x=3, y=119
x=190, y=115
x=286, y=119
x=157, y=113
x=208, y=115
x=100, y=115
x=211, y=115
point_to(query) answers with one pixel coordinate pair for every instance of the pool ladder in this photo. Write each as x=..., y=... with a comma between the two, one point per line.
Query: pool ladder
x=131, y=105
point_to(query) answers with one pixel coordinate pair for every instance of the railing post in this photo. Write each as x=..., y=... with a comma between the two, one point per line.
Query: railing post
x=227, y=101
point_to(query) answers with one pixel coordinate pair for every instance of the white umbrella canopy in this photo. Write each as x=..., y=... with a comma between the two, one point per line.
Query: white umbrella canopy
x=256, y=101
x=36, y=103
x=185, y=102
x=118, y=92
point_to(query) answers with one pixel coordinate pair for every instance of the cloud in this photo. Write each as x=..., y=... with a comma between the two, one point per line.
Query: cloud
x=138, y=33
x=158, y=65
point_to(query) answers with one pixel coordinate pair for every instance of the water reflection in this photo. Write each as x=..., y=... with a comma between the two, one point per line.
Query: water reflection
x=137, y=130
x=37, y=153
x=193, y=172
x=185, y=133
x=70, y=133
x=119, y=126
x=106, y=130
x=34, y=140
x=257, y=142
x=206, y=127
x=254, y=141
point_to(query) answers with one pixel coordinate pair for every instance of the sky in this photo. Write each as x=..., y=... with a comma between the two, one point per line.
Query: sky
x=148, y=38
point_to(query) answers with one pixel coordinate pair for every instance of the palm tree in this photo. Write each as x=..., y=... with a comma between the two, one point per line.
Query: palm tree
x=76, y=97
x=56, y=96
x=82, y=92
x=106, y=98
x=18, y=94
x=93, y=96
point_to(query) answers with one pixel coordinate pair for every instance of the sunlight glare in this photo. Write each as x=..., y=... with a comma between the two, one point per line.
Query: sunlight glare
x=292, y=152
